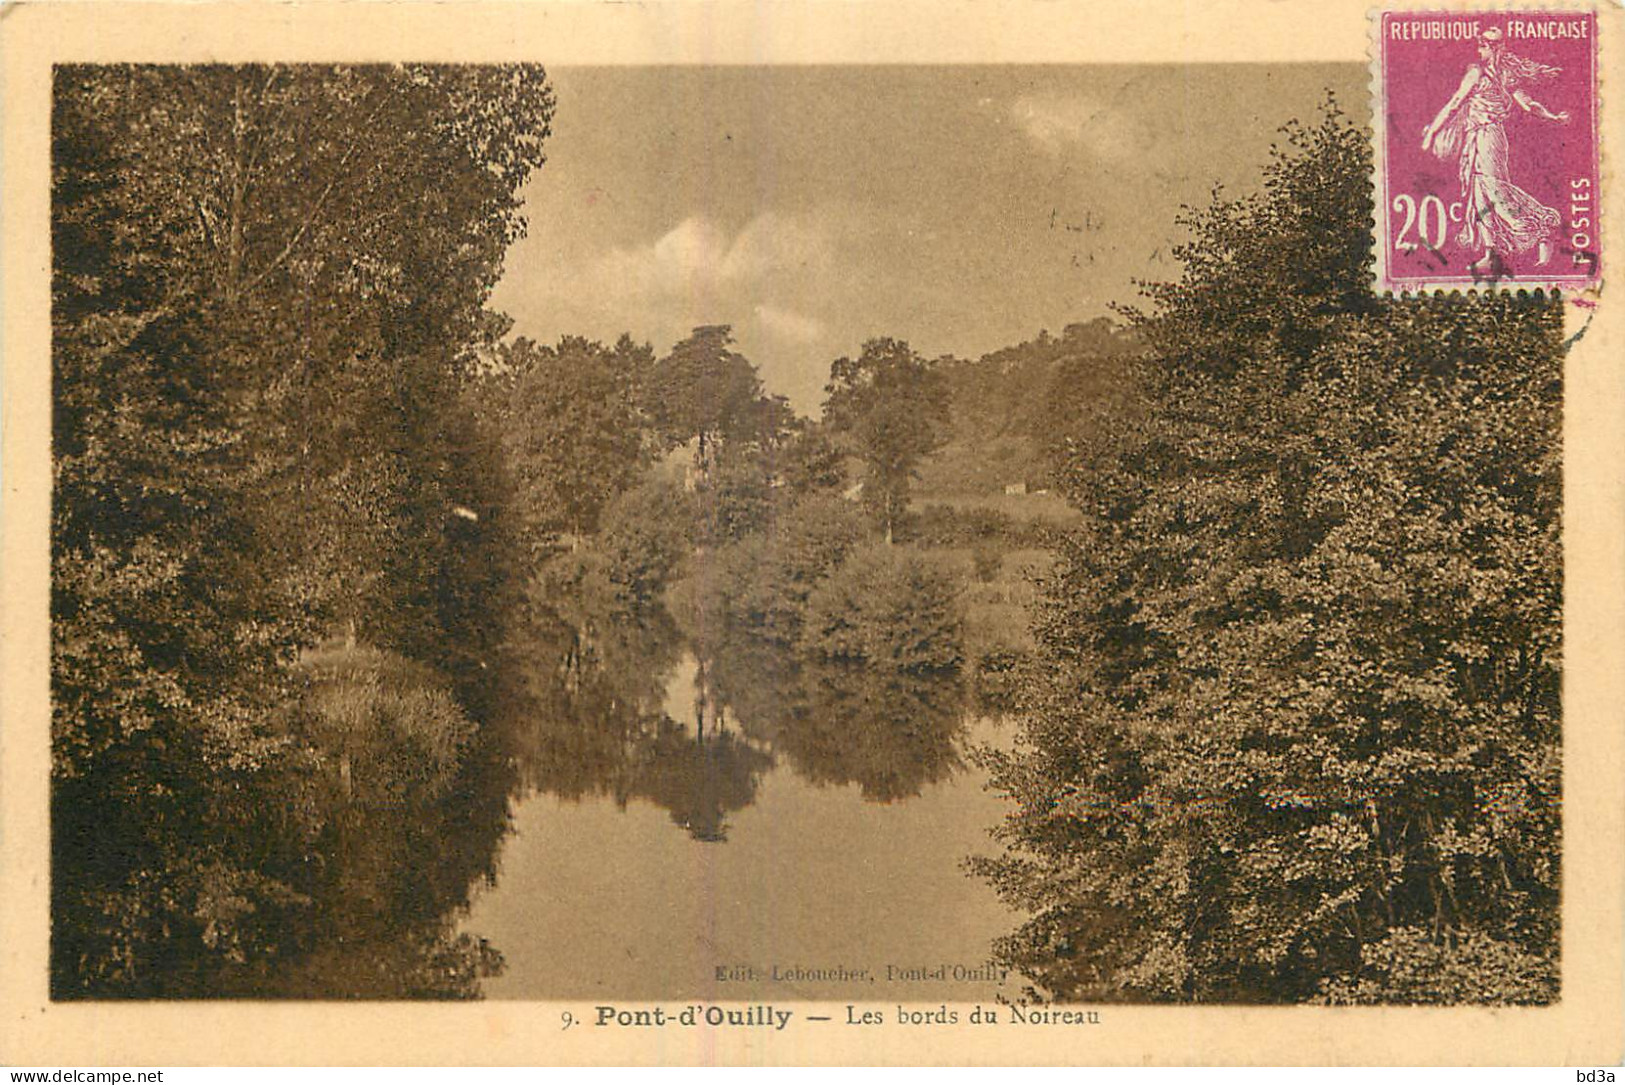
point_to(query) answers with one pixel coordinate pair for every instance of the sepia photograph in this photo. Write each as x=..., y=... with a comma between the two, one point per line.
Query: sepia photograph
x=852, y=543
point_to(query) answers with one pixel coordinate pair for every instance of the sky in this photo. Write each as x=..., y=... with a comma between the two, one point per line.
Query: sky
x=959, y=208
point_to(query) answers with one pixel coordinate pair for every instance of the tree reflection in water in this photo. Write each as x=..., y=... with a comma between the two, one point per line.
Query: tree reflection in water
x=581, y=704
x=607, y=710
x=408, y=816
x=891, y=733
x=591, y=720
x=700, y=779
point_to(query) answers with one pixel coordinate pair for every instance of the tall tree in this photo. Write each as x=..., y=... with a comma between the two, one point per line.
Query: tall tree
x=893, y=406
x=1297, y=735
x=704, y=390
x=267, y=285
x=572, y=429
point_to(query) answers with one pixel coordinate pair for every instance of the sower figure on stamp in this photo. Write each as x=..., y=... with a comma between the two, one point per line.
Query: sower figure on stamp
x=1499, y=217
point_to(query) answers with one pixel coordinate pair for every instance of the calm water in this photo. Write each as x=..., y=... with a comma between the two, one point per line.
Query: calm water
x=729, y=829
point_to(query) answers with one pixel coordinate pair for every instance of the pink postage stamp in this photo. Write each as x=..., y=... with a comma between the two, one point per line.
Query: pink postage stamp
x=1487, y=158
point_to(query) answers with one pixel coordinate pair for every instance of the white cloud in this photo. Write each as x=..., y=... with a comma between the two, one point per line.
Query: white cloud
x=778, y=279
x=698, y=260
x=683, y=259
x=1058, y=123
x=786, y=324
x=773, y=243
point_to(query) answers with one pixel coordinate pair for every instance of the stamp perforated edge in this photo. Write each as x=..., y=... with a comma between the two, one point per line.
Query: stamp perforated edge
x=1384, y=286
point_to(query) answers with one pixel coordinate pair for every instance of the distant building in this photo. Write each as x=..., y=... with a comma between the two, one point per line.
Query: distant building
x=1014, y=488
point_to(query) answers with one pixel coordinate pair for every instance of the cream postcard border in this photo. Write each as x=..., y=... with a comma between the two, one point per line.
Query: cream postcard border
x=1585, y=1028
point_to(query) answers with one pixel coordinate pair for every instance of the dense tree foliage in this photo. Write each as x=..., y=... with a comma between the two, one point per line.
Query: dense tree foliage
x=892, y=405
x=1296, y=734
x=703, y=390
x=647, y=532
x=760, y=584
x=887, y=607
x=1013, y=408
x=572, y=429
x=268, y=285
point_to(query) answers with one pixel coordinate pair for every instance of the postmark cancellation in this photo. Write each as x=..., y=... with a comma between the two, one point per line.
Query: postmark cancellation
x=1487, y=157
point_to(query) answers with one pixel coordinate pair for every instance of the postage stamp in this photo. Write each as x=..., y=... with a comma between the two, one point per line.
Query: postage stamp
x=1487, y=159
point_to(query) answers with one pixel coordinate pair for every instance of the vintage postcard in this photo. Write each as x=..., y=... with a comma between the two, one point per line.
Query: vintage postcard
x=798, y=533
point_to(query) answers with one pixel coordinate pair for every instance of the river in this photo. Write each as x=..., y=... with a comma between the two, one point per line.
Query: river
x=741, y=828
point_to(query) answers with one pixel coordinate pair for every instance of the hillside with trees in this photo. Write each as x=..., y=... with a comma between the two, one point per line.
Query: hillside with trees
x=1295, y=735
x=1008, y=407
